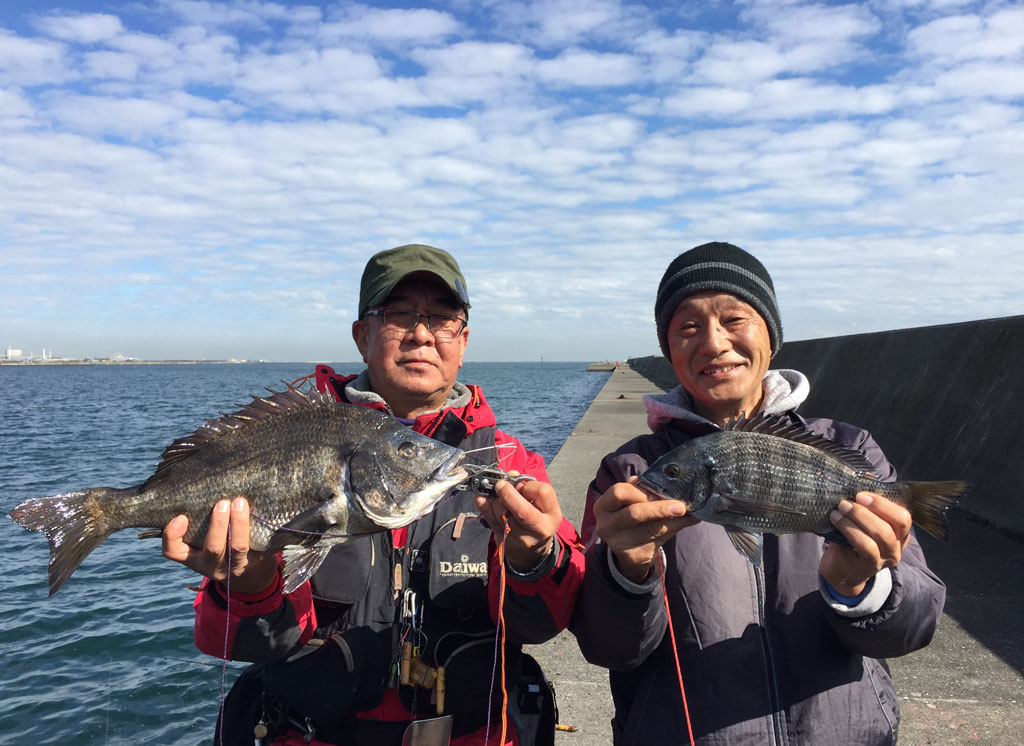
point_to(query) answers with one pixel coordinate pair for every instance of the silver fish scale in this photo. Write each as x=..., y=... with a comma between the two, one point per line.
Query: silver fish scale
x=770, y=470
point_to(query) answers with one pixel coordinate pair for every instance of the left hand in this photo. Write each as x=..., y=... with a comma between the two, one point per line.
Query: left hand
x=877, y=528
x=534, y=516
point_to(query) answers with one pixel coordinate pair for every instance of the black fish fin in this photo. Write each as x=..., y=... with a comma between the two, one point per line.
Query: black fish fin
x=741, y=506
x=151, y=533
x=782, y=427
x=300, y=563
x=928, y=502
x=747, y=543
x=74, y=523
x=259, y=408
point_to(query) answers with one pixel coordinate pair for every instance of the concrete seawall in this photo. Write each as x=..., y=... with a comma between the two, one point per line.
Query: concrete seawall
x=967, y=687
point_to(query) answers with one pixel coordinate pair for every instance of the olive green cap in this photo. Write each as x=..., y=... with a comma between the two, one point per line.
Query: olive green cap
x=388, y=268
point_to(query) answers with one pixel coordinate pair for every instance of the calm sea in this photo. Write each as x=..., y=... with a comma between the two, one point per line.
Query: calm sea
x=110, y=659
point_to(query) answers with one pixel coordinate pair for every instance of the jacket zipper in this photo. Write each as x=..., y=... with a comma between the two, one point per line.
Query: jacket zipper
x=773, y=687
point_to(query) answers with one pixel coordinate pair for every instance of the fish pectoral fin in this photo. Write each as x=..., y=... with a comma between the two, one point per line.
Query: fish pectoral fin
x=731, y=505
x=747, y=543
x=300, y=563
x=151, y=533
x=307, y=528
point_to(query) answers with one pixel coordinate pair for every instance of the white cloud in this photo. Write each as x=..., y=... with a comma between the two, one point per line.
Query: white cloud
x=971, y=37
x=577, y=67
x=563, y=23
x=125, y=117
x=391, y=26
x=110, y=65
x=84, y=28
x=26, y=61
x=13, y=106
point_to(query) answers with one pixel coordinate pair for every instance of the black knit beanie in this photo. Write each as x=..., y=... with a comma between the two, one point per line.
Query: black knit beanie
x=717, y=266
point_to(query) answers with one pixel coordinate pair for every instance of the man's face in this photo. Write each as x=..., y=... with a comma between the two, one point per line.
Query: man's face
x=412, y=371
x=720, y=350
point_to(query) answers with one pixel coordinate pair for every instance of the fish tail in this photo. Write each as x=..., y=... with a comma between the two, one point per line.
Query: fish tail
x=928, y=502
x=74, y=523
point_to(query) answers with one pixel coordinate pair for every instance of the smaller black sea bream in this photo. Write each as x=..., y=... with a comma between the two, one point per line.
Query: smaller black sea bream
x=315, y=472
x=770, y=475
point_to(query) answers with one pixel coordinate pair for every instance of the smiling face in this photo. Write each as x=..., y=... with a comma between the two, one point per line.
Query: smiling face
x=720, y=350
x=412, y=371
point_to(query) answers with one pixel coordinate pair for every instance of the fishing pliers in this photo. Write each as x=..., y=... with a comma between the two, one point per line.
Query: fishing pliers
x=482, y=479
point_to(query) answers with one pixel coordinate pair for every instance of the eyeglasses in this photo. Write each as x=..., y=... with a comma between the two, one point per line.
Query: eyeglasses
x=441, y=325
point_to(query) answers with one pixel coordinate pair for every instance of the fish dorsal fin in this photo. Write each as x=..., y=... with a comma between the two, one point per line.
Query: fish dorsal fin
x=782, y=427
x=261, y=407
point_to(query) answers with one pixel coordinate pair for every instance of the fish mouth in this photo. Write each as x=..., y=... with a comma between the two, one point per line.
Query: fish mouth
x=450, y=469
x=652, y=489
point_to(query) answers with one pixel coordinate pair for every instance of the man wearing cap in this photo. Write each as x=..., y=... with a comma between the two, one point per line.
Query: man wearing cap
x=786, y=652
x=400, y=626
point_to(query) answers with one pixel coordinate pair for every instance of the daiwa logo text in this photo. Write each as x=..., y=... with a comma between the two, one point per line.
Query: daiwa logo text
x=463, y=567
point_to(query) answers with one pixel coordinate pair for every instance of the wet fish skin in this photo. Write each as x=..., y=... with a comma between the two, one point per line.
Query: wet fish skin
x=769, y=475
x=314, y=471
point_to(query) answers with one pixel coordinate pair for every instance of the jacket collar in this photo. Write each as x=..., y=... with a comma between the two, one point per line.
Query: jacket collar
x=784, y=390
x=466, y=404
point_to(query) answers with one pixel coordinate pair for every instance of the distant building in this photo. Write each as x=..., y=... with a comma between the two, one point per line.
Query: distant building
x=13, y=354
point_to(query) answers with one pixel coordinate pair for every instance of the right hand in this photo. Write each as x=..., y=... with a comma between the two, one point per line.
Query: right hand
x=250, y=572
x=634, y=527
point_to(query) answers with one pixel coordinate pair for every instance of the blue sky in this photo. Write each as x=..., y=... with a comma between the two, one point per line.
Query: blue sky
x=206, y=180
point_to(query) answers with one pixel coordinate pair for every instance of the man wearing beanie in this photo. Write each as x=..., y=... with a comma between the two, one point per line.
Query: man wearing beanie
x=397, y=628
x=787, y=652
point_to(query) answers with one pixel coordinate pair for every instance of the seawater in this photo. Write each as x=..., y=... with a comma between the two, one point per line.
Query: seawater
x=110, y=658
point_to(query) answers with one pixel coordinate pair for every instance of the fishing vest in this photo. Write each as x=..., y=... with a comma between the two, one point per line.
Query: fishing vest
x=361, y=593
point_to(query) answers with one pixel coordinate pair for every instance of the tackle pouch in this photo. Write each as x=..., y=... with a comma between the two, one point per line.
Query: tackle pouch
x=535, y=710
x=453, y=563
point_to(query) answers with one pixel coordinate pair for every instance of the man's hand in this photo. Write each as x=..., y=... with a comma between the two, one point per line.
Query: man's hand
x=634, y=527
x=250, y=573
x=534, y=516
x=877, y=529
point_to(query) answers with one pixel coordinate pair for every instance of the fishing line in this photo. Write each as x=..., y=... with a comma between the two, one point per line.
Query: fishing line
x=110, y=674
x=675, y=652
x=499, y=647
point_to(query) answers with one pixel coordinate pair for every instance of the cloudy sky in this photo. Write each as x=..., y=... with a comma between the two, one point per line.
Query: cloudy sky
x=185, y=179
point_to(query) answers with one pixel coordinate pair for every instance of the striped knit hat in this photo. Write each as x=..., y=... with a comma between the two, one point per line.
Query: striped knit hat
x=717, y=266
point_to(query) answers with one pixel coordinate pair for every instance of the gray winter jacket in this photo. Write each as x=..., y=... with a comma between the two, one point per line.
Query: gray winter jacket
x=768, y=657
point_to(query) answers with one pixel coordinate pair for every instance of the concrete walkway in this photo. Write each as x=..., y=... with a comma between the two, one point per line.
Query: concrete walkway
x=967, y=687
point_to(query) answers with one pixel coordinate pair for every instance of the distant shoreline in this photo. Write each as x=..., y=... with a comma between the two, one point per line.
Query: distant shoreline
x=43, y=363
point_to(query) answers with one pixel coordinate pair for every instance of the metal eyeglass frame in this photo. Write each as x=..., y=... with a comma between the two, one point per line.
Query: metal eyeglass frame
x=438, y=334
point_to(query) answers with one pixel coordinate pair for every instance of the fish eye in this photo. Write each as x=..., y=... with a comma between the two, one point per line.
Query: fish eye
x=407, y=450
x=672, y=471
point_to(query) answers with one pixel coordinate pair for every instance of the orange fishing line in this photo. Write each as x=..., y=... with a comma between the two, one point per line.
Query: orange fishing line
x=501, y=632
x=675, y=652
